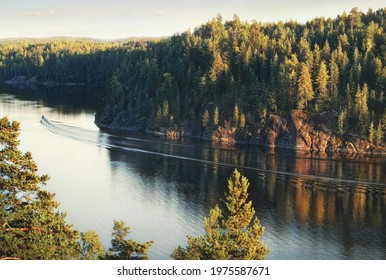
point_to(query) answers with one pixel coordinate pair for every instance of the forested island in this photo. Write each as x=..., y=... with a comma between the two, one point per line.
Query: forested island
x=317, y=86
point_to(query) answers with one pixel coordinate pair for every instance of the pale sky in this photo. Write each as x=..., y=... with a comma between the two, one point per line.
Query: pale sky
x=117, y=19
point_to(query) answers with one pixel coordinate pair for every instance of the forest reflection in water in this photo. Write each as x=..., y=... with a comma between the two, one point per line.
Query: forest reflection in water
x=328, y=207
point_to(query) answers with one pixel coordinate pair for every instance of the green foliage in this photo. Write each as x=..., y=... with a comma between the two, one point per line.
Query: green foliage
x=31, y=227
x=363, y=125
x=91, y=246
x=342, y=122
x=242, y=121
x=216, y=117
x=379, y=134
x=232, y=234
x=123, y=249
x=322, y=81
x=83, y=62
x=371, y=132
x=236, y=115
x=205, y=119
x=305, y=90
x=318, y=67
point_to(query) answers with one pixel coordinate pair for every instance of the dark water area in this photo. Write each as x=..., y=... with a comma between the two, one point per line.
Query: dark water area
x=312, y=206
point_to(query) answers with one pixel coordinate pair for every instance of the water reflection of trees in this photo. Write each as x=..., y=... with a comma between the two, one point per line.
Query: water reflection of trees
x=311, y=202
x=334, y=208
x=63, y=99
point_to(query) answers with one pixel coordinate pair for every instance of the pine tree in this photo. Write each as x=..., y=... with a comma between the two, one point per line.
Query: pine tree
x=371, y=132
x=165, y=109
x=358, y=100
x=305, y=90
x=361, y=100
x=341, y=122
x=31, y=227
x=326, y=51
x=123, y=249
x=364, y=96
x=91, y=246
x=216, y=117
x=383, y=122
x=232, y=234
x=379, y=134
x=205, y=119
x=242, y=121
x=236, y=115
x=322, y=81
x=333, y=79
x=115, y=90
x=363, y=125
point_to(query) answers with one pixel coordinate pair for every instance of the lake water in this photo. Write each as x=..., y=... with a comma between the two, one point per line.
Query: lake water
x=312, y=206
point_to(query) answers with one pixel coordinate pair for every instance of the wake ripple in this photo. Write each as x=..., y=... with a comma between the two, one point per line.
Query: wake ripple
x=101, y=139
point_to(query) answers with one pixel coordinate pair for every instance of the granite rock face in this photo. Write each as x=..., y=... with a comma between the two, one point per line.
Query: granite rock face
x=301, y=131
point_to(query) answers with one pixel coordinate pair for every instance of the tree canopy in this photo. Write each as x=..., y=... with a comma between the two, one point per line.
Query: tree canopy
x=32, y=227
x=324, y=66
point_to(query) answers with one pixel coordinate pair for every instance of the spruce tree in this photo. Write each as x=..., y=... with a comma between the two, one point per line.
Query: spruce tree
x=205, y=119
x=322, y=81
x=236, y=115
x=371, y=132
x=216, y=117
x=379, y=134
x=341, y=122
x=242, y=121
x=231, y=234
x=305, y=90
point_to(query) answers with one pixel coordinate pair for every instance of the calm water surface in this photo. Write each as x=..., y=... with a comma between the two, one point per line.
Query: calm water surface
x=313, y=207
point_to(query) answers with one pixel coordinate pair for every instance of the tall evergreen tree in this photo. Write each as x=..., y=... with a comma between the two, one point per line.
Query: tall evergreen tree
x=205, y=119
x=236, y=115
x=379, y=134
x=216, y=117
x=305, y=90
x=322, y=82
x=371, y=132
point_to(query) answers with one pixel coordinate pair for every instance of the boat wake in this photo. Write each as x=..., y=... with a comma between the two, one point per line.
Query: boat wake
x=130, y=144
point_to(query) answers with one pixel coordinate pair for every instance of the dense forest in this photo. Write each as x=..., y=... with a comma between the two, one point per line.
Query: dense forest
x=318, y=85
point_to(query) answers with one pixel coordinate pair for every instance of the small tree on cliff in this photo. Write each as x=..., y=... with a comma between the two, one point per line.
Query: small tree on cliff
x=233, y=234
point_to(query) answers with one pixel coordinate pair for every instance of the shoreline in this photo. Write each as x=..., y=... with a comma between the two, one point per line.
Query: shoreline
x=254, y=143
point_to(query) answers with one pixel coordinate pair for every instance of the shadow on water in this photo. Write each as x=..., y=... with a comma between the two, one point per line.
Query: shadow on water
x=63, y=99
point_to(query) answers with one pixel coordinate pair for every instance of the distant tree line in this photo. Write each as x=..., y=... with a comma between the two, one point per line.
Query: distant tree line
x=232, y=72
x=62, y=61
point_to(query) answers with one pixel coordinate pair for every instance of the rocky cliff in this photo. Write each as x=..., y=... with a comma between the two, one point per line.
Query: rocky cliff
x=301, y=131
